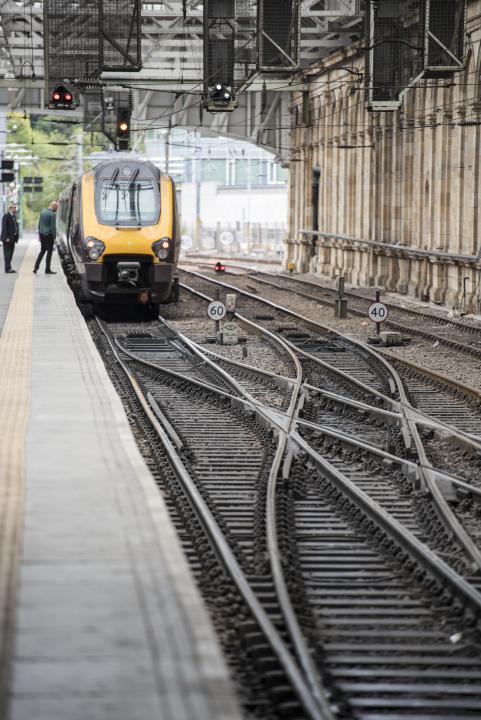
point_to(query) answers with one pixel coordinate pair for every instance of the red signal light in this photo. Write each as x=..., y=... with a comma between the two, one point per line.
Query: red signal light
x=62, y=97
x=218, y=267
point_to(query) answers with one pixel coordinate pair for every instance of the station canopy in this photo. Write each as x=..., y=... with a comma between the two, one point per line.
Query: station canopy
x=171, y=38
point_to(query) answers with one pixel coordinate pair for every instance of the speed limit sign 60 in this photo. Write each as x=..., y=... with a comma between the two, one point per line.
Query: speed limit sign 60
x=216, y=310
x=377, y=312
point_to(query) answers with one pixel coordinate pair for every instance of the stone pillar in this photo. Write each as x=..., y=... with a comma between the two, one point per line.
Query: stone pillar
x=457, y=240
x=476, y=182
x=404, y=273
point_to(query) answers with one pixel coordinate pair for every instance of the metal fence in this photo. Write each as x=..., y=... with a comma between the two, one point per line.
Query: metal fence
x=278, y=34
x=120, y=38
x=71, y=33
x=229, y=42
x=263, y=240
x=82, y=39
x=394, y=50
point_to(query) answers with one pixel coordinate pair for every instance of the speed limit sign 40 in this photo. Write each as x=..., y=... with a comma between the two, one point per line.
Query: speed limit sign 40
x=216, y=310
x=377, y=312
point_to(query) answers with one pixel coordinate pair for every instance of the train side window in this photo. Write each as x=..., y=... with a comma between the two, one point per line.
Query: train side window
x=71, y=211
x=64, y=210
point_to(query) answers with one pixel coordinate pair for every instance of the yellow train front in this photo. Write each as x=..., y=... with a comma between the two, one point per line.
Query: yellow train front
x=119, y=227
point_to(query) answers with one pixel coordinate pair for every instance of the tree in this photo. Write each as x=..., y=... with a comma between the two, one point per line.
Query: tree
x=52, y=143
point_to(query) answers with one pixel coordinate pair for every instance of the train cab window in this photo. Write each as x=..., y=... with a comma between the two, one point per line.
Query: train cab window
x=132, y=201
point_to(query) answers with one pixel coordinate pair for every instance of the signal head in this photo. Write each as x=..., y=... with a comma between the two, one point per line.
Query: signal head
x=123, y=123
x=61, y=97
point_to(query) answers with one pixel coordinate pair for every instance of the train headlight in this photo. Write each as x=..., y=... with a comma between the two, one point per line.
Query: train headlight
x=162, y=248
x=94, y=248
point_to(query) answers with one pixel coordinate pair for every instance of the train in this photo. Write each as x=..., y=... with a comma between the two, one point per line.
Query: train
x=118, y=235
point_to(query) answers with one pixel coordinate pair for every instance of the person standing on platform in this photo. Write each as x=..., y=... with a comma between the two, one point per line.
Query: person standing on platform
x=47, y=231
x=9, y=236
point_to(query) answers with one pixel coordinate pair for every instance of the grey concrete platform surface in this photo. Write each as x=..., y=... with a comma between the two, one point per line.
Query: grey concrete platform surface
x=107, y=621
x=7, y=280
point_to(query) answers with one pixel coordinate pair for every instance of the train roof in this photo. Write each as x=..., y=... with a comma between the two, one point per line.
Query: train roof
x=107, y=167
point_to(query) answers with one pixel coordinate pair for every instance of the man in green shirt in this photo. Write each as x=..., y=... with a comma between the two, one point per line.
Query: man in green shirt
x=47, y=233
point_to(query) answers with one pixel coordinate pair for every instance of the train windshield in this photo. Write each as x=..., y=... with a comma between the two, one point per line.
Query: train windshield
x=130, y=201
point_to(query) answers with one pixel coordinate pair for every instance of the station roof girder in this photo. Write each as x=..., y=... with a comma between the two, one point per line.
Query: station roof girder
x=170, y=43
x=172, y=61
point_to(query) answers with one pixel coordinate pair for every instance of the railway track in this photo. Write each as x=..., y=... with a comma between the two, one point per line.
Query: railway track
x=185, y=317
x=385, y=642
x=460, y=336
x=228, y=489
x=378, y=427
x=438, y=396
x=367, y=365
x=443, y=398
x=268, y=388
x=308, y=338
x=342, y=611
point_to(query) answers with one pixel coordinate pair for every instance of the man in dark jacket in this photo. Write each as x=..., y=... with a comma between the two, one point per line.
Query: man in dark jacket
x=47, y=232
x=9, y=236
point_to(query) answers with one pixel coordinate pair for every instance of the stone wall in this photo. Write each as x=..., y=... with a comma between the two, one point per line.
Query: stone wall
x=398, y=193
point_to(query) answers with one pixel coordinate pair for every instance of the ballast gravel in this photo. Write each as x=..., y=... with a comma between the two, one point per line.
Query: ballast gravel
x=438, y=358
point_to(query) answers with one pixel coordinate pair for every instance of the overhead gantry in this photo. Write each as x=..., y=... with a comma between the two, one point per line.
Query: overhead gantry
x=168, y=89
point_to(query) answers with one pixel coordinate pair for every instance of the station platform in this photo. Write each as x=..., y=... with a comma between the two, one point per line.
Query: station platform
x=100, y=615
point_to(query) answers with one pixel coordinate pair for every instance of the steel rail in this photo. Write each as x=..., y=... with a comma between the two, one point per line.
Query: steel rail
x=299, y=351
x=289, y=615
x=416, y=549
x=434, y=375
x=286, y=347
x=408, y=330
x=425, y=467
x=445, y=514
x=299, y=683
x=357, y=404
x=279, y=381
x=271, y=495
x=254, y=273
x=387, y=416
x=439, y=319
x=461, y=440
x=301, y=650
x=360, y=444
x=284, y=380
x=365, y=350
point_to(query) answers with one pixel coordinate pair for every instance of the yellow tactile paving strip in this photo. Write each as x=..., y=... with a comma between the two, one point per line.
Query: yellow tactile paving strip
x=15, y=373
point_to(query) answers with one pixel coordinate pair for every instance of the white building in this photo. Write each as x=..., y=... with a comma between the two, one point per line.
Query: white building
x=223, y=185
